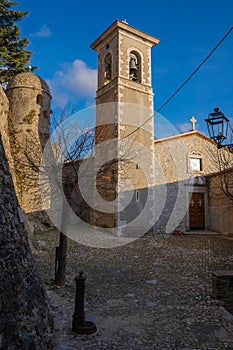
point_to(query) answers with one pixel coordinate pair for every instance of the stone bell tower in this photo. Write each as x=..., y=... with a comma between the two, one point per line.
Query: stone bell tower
x=124, y=102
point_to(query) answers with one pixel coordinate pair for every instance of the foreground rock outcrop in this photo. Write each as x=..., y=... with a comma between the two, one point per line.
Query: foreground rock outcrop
x=25, y=321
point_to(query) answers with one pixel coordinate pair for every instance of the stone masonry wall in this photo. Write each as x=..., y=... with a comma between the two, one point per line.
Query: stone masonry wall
x=4, y=113
x=25, y=321
x=221, y=206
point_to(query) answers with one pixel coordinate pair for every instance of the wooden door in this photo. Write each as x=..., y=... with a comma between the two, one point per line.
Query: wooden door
x=197, y=212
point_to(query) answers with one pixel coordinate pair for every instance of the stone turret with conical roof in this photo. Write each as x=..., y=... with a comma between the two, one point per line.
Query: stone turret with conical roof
x=28, y=128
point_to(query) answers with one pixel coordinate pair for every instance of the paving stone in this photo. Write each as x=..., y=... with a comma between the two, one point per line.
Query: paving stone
x=159, y=300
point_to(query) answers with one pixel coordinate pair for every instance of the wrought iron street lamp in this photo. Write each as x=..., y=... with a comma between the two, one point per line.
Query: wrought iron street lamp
x=217, y=124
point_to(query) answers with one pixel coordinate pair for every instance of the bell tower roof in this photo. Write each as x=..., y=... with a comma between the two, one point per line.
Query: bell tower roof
x=117, y=26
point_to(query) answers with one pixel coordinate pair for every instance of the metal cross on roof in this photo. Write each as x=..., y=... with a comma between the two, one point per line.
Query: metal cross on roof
x=193, y=121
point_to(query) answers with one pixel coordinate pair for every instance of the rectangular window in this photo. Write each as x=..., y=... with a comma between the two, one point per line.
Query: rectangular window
x=195, y=164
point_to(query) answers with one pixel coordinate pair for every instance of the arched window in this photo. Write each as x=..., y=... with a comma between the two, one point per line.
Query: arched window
x=134, y=67
x=107, y=68
x=39, y=100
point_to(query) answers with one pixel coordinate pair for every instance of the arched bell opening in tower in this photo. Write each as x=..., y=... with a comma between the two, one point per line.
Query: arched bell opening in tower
x=134, y=67
x=107, y=68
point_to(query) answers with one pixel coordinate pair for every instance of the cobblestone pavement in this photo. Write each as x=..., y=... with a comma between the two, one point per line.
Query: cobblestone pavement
x=154, y=293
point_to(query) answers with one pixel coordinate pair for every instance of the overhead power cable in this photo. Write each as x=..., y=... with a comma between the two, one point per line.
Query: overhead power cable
x=182, y=85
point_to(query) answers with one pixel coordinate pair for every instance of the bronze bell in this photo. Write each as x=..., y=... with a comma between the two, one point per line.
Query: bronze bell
x=132, y=66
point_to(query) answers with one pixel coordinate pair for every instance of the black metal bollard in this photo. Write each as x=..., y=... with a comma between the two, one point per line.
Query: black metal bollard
x=57, y=259
x=79, y=324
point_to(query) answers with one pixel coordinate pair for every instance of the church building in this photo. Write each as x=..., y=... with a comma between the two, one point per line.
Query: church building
x=140, y=185
x=166, y=179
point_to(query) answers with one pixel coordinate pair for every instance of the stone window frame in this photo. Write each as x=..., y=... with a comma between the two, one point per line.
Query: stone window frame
x=195, y=155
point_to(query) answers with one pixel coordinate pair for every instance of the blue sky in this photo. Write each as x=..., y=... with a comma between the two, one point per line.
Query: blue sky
x=61, y=34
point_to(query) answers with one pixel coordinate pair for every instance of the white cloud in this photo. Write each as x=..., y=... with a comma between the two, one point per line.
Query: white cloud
x=75, y=80
x=44, y=32
x=184, y=127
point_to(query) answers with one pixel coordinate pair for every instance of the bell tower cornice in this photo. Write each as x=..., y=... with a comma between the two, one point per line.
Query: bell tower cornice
x=118, y=26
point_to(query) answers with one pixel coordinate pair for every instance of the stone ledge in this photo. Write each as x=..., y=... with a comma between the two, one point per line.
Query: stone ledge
x=222, y=288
